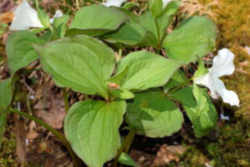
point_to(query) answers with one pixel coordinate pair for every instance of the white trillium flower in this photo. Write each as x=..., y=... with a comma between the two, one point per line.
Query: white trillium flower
x=165, y=2
x=58, y=14
x=26, y=17
x=222, y=65
x=117, y=3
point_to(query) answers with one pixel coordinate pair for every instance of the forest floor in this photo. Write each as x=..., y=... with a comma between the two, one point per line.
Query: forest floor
x=26, y=143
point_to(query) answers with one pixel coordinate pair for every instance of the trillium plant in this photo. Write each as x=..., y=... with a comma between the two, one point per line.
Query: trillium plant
x=140, y=91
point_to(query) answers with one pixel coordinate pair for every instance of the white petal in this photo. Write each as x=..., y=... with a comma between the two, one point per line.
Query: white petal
x=25, y=17
x=223, y=117
x=207, y=80
x=57, y=15
x=165, y=3
x=227, y=96
x=116, y=3
x=223, y=63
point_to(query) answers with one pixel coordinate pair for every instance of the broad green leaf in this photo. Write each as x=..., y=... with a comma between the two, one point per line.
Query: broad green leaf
x=155, y=7
x=5, y=100
x=43, y=17
x=192, y=39
x=132, y=33
x=20, y=49
x=198, y=107
x=154, y=115
x=81, y=63
x=5, y=93
x=208, y=119
x=143, y=70
x=92, y=128
x=125, y=159
x=96, y=20
x=147, y=20
x=166, y=17
x=177, y=80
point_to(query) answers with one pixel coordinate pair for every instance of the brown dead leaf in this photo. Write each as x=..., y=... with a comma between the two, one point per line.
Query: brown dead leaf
x=7, y=17
x=142, y=158
x=51, y=108
x=50, y=162
x=166, y=154
x=20, y=140
x=32, y=133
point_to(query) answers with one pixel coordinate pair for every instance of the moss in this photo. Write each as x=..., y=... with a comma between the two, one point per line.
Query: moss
x=232, y=147
x=193, y=158
x=240, y=81
x=231, y=16
x=7, y=152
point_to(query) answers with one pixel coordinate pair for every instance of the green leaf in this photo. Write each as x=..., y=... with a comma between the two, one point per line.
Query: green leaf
x=125, y=159
x=6, y=91
x=202, y=70
x=166, y=17
x=208, y=118
x=154, y=115
x=20, y=49
x=60, y=25
x=43, y=17
x=147, y=20
x=199, y=108
x=177, y=80
x=193, y=39
x=3, y=28
x=88, y=21
x=121, y=93
x=132, y=33
x=143, y=70
x=155, y=7
x=130, y=5
x=81, y=63
x=3, y=121
x=92, y=128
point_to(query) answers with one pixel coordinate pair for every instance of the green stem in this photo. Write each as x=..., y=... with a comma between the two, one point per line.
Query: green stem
x=77, y=4
x=66, y=102
x=58, y=134
x=129, y=140
x=158, y=34
x=125, y=146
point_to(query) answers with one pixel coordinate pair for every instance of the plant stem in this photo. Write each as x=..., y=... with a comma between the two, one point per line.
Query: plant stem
x=58, y=134
x=66, y=102
x=77, y=4
x=129, y=140
x=125, y=146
